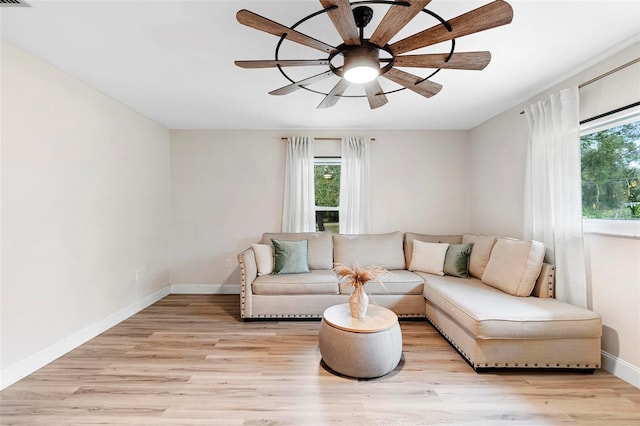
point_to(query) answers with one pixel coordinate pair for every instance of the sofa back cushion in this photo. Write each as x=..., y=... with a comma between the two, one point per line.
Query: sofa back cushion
x=514, y=266
x=410, y=236
x=319, y=246
x=384, y=250
x=480, y=253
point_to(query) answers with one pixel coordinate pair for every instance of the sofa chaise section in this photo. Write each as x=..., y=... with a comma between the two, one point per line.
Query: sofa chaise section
x=491, y=327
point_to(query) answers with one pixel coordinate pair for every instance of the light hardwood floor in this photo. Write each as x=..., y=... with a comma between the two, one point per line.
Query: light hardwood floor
x=189, y=359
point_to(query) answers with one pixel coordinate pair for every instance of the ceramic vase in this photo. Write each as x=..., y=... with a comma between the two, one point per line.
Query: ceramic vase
x=358, y=302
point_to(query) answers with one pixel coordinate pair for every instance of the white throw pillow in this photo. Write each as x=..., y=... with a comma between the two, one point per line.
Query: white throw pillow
x=514, y=266
x=264, y=258
x=428, y=257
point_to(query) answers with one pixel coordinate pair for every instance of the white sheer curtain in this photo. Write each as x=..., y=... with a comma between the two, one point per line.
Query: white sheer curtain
x=553, y=204
x=355, y=189
x=298, y=210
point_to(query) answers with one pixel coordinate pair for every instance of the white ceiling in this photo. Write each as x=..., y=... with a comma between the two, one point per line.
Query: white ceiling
x=173, y=60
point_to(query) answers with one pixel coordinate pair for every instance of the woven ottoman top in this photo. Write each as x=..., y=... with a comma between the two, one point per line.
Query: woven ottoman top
x=377, y=319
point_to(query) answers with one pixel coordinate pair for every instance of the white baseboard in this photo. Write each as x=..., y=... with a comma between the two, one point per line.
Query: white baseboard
x=205, y=288
x=38, y=360
x=621, y=369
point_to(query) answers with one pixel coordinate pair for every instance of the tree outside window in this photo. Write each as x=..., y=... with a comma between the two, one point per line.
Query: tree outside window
x=327, y=191
x=611, y=172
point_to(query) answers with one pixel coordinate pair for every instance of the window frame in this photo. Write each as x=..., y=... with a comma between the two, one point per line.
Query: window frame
x=611, y=227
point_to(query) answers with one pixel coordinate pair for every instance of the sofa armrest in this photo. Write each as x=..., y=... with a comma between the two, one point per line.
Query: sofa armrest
x=248, y=273
x=545, y=284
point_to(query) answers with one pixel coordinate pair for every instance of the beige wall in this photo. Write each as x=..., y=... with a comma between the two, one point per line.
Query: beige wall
x=614, y=278
x=85, y=204
x=226, y=188
x=497, y=153
x=496, y=175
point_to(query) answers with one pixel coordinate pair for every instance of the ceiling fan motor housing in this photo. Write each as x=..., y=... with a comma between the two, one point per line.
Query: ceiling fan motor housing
x=359, y=59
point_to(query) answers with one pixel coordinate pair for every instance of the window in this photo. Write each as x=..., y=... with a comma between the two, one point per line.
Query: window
x=327, y=189
x=611, y=170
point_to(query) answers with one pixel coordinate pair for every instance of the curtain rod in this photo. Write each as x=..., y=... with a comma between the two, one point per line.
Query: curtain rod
x=327, y=139
x=615, y=70
x=606, y=74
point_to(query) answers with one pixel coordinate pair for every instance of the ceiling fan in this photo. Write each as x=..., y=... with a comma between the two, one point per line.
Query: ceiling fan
x=366, y=59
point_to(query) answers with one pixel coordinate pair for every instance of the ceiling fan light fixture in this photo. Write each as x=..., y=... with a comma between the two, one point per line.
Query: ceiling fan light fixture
x=361, y=74
x=361, y=65
x=358, y=58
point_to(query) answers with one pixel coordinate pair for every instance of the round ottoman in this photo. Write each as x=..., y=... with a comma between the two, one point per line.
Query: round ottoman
x=362, y=348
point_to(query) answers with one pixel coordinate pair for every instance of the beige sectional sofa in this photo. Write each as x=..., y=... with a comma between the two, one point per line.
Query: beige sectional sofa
x=502, y=316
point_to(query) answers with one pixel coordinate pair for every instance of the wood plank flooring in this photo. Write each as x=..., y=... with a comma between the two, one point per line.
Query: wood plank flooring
x=190, y=360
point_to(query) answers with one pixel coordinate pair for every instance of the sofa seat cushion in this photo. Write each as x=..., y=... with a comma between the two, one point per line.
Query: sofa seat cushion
x=314, y=282
x=488, y=313
x=398, y=281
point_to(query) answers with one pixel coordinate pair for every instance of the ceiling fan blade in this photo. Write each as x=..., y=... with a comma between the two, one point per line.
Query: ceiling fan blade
x=286, y=63
x=343, y=20
x=285, y=90
x=261, y=23
x=396, y=18
x=374, y=94
x=459, y=61
x=334, y=95
x=483, y=18
x=426, y=88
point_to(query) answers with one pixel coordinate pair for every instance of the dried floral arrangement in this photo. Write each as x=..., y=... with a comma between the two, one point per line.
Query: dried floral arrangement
x=359, y=275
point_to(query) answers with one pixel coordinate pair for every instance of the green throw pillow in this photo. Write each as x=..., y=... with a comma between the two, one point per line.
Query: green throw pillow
x=456, y=261
x=290, y=257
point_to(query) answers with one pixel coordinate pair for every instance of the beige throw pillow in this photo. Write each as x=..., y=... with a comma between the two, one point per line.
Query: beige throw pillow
x=514, y=266
x=410, y=237
x=428, y=257
x=264, y=258
x=482, y=245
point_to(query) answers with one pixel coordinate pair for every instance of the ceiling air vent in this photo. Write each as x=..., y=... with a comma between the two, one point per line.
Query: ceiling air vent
x=10, y=3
